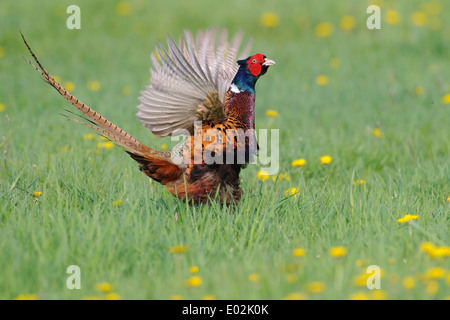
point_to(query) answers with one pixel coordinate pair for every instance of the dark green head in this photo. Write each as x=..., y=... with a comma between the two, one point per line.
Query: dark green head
x=250, y=70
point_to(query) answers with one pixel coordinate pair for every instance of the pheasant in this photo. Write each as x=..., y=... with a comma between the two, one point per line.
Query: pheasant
x=196, y=90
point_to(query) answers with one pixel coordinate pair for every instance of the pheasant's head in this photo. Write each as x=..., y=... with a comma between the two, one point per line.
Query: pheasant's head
x=250, y=70
x=256, y=65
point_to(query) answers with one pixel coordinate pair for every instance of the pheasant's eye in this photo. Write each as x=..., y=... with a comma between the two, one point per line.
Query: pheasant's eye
x=254, y=61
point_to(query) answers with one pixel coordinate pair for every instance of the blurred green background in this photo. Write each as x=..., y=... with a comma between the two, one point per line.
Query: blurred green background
x=377, y=101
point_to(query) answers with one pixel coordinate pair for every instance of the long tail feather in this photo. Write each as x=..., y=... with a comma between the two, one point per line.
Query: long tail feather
x=155, y=164
x=102, y=125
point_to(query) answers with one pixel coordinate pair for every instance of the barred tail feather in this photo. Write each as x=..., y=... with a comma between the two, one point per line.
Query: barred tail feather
x=156, y=164
x=100, y=123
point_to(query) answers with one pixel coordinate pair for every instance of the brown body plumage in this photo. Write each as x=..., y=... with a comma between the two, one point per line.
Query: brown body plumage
x=191, y=82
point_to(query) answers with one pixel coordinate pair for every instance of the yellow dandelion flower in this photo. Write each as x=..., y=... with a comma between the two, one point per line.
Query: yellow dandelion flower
x=322, y=80
x=269, y=20
x=434, y=67
x=361, y=280
x=378, y=295
x=103, y=287
x=393, y=278
x=326, y=159
x=291, y=277
x=409, y=283
x=324, y=29
x=164, y=146
x=194, y=281
x=427, y=247
x=359, y=182
x=295, y=296
x=262, y=175
x=27, y=297
x=359, y=296
x=272, y=113
x=299, y=252
x=37, y=194
x=377, y=132
x=69, y=85
x=303, y=23
x=193, y=269
x=419, y=90
x=433, y=7
x=407, y=218
x=419, y=18
x=112, y=296
x=2, y=52
x=316, y=287
x=291, y=267
x=435, y=273
x=337, y=252
x=140, y=28
x=439, y=252
x=347, y=22
x=176, y=297
x=93, y=85
x=335, y=63
x=2, y=107
x=179, y=249
x=254, y=277
x=446, y=99
x=117, y=203
x=305, y=87
x=360, y=263
x=105, y=145
x=292, y=192
x=432, y=288
x=448, y=199
x=298, y=163
x=434, y=23
x=392, y=17
x=378, y=3
x=209, y=297
x=88, y=136
x=126, y=90
x=123, y=8
x=280, y=177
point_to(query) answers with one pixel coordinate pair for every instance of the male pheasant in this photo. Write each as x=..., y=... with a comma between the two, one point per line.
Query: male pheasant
x=197, y=90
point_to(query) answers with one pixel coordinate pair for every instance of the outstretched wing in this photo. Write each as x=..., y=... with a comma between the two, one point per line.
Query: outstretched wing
x=189, y=81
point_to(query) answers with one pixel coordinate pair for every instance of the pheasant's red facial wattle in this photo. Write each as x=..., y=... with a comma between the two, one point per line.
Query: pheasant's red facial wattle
x=254, y=64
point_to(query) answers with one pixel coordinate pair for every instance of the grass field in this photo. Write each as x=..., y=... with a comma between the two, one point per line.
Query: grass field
x=376, y=101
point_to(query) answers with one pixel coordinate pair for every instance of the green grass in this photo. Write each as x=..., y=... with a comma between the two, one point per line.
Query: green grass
x=74, y=222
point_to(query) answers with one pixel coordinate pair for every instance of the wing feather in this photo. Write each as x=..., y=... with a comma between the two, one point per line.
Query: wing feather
x=189, y=78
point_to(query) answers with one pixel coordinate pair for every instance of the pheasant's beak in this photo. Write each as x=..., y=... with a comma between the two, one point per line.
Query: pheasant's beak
x=268, y=62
